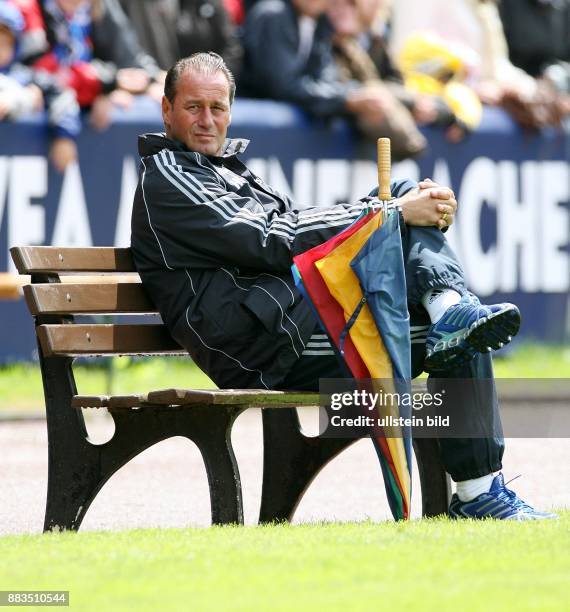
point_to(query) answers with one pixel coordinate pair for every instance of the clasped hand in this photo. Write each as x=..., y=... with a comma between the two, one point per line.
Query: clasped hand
x=429, y=204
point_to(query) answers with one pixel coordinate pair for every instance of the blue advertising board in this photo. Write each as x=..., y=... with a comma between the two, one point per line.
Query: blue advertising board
x=512, y=231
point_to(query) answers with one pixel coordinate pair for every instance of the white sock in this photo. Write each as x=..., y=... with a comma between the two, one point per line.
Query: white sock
x=470, y=489
x=437, y=301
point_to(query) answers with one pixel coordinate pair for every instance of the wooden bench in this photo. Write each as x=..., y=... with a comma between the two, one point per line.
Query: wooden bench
x=93, y=281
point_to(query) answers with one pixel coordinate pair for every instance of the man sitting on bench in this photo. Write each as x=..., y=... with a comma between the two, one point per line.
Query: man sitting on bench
x=213, y=244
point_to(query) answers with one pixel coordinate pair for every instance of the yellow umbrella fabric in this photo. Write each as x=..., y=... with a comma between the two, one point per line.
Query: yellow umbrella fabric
x=344, y=286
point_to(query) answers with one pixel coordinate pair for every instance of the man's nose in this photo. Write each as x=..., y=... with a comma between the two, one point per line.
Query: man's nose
x=206, y=118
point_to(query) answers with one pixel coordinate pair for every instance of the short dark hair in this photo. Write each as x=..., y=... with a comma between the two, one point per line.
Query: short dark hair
x=204, y=63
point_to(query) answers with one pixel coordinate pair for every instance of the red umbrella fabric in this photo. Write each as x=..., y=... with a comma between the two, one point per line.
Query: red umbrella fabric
x=328, y=310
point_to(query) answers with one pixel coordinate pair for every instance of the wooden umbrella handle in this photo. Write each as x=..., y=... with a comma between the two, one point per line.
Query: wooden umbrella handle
x=384, y=169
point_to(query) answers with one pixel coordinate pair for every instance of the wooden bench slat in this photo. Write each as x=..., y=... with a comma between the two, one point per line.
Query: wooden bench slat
x=127, y=401
x=106, y=339
x=106, y=401
x=81, y=299
x=253, y=398
x=243, y=397
x=43, y=259
x=90, y=401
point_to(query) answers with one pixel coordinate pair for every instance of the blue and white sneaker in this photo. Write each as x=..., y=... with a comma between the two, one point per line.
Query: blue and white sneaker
x=498, y=503
x=467, y=328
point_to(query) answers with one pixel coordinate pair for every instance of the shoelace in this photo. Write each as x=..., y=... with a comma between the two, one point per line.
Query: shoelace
x=512, y=498
x=462, y=307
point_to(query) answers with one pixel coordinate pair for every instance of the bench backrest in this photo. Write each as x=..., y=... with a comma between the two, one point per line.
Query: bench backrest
x=89, y=281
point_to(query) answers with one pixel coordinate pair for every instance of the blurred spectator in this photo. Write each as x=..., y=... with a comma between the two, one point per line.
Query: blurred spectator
x=23, y=90
x=92, y=48
x=431, y=66
x=288, y=56
x=361, y=53
x=471, y=32
x=538, y=37
x=171, y=29
x=471, y=28
x=537, y=32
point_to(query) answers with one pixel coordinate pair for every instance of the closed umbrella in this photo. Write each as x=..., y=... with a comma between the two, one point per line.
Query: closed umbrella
x=365, y=275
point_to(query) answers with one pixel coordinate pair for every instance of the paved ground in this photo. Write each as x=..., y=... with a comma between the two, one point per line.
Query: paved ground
x=166, y=485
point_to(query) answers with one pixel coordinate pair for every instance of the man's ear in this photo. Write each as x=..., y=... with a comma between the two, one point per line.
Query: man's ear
x=166, y=110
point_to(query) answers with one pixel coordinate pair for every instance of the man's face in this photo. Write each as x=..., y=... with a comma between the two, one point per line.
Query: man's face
x=6, y=46
x=200, y=114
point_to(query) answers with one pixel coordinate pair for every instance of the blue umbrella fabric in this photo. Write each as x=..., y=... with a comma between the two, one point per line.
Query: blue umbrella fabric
x=379, y=266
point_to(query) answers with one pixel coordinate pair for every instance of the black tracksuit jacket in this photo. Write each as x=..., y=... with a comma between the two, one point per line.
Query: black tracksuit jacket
x=214, y=245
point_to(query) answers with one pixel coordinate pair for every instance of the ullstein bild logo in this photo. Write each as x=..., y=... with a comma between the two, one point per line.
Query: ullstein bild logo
x=368, y=400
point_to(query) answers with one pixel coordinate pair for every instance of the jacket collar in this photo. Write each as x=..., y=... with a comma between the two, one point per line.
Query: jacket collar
x=151, y=144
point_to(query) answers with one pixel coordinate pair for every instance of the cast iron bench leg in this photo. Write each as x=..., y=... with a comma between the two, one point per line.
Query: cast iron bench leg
x=435, y=483
x=209, y=427
x=211, y=431
x=69, y=453
x=291, y=461
x=78, y=469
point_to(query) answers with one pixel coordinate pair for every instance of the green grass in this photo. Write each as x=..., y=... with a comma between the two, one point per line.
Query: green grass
x=422, y=565
x=21, y=386
x=534, y=361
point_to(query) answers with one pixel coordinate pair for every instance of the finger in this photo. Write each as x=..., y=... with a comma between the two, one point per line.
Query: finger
x=453, y=203
x=442, y=194
x=446, y=209
x=445, y=222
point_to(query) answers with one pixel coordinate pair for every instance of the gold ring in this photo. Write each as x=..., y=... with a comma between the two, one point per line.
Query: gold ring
x=444, y=217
